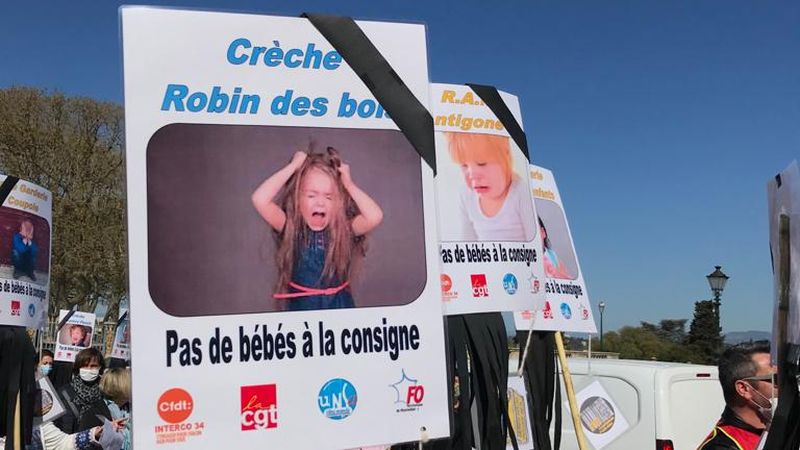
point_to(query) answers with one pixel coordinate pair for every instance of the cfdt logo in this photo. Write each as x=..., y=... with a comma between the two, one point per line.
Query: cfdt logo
x=479, y=288
x=447, y=287
x=547, y=312
x=31, y=310
x=259, y=408
x=566, y=311
x=510, y=283
x=15, y=307
x=337, y=399
x=175, y=405
x=408, y=393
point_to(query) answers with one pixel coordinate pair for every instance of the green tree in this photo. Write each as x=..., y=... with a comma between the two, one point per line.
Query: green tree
x=705, y=338
x=74, y=148
x=662, y=342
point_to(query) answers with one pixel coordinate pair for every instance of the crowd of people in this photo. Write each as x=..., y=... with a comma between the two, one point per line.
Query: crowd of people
x=94, y=398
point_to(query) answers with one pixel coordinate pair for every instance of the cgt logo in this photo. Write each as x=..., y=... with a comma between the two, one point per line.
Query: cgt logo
x=479, y=287
x=259, y=407
x=547, y=312
x=175, y=405
x=15, y=307
x=408, y=393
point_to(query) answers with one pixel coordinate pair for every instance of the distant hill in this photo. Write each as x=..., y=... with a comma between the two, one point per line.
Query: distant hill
x=736, y=337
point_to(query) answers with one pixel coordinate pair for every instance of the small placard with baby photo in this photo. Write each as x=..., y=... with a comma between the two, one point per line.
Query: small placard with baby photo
x=566, y=306
x=25, y=215
x=490, y=251
x=74, y=334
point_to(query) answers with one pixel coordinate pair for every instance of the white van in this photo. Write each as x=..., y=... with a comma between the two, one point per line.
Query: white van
x=667, y=405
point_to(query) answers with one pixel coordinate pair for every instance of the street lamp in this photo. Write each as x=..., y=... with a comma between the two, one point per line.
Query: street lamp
x=717, y=280
x=601, y=306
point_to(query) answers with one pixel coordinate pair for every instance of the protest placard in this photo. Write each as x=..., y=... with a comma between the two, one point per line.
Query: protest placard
x=489, y=253
x=566, y=306
x=283, y=258
x=25, y=224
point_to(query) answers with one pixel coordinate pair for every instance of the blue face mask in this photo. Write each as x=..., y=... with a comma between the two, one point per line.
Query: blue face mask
x=45, y=369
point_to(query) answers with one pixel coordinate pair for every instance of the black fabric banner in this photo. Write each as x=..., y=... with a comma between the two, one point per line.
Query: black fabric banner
x=492, y=98
x=411, y=116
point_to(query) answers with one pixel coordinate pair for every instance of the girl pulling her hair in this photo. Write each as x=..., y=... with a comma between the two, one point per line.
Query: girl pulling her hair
x=320, y=218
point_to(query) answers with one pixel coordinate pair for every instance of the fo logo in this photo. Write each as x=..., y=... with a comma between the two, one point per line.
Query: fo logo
x=337, y=399
x=479, y=288
x=175, y=405
x=259, y=407
x=510, y=283
x=31, y=310
x=408, y=393
x=584, y=312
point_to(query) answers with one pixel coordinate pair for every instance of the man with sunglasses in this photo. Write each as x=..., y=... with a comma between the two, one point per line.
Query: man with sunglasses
x=748, y=385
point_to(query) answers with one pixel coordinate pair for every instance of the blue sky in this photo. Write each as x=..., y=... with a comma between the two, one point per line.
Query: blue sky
x=662, y=121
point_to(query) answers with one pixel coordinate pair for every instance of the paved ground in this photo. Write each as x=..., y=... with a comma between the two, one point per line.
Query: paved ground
x=8, y=273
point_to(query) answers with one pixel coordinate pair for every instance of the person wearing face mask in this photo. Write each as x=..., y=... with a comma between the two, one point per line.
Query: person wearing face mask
x=747, y=379
x=45, y=363
x=82, y=394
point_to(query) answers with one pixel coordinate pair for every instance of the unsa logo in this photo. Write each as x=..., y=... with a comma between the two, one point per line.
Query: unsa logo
x=479, y=288
x=510, y=283
x=259, y=407
x=175, y=405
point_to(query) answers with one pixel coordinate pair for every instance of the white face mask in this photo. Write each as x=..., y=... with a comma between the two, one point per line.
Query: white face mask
x=89, y=375
x=766, y=412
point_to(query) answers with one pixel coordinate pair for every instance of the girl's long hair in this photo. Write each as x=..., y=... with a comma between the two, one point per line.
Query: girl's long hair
x=344, y=250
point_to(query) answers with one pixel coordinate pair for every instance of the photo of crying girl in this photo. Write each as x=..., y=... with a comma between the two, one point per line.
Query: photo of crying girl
x=320, y=218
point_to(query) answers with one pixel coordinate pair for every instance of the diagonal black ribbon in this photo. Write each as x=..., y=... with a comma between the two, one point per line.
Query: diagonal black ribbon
x=7, y=187
x=492, y=98
x=411, y=116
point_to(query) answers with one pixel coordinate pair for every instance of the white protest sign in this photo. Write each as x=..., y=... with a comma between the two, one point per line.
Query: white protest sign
x=283, y=258
x=76, y=334
x=566, y=306
x=122, y=336
x=783, y=192
x=518, y=414
x=51, y=406
x=601, y=419
x=490, y=255
x=25, y=235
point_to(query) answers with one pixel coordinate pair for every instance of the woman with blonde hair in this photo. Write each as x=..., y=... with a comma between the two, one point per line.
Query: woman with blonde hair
x=116, y=389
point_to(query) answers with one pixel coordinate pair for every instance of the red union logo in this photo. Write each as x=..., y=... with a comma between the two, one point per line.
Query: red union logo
x=415, y=395
x=259, y=407
x=479, y=288
x=15, y=307
x=547, y=312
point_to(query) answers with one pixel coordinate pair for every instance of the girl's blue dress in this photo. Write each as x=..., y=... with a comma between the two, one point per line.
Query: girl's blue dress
x=307, y=272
